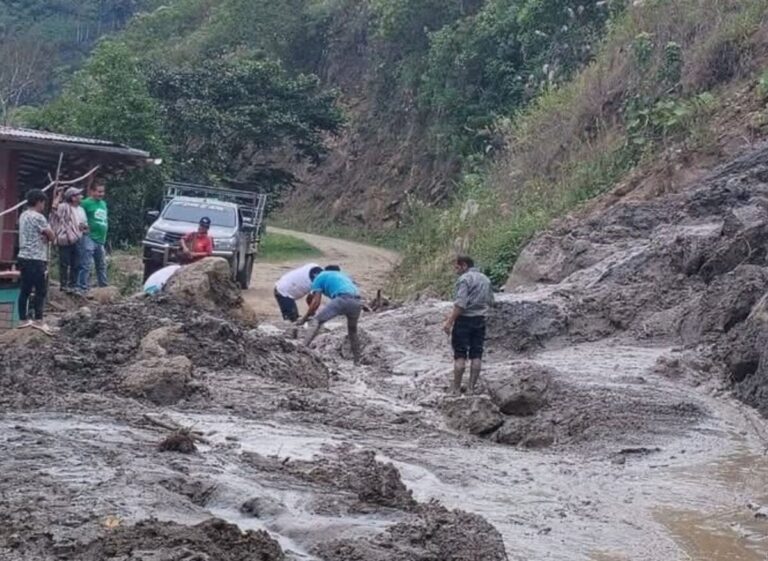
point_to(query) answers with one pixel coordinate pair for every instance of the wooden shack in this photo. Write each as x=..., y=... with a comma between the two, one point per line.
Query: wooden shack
x=31, y=159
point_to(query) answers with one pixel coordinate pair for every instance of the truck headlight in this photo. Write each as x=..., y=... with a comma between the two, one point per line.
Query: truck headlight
x=155, y=235
x=225, y=244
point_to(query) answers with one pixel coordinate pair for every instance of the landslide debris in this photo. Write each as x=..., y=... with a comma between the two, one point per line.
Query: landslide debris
x=431, y=533
x=207, y=285
x=212, y=540
x=149, y=349
x=687, y=266
x=354, y=472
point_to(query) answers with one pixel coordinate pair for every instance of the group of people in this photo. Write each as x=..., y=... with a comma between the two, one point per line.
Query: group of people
x=78, y=227
x=466, y=323
x=313, y=282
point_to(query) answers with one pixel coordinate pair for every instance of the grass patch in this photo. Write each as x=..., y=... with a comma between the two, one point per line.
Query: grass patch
x=282, y=247
x=306, y=221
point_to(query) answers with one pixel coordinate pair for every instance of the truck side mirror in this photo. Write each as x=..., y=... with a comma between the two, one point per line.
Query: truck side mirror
x=151, y=215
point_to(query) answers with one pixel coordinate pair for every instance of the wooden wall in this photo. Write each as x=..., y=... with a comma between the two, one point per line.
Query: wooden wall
x=9, y=197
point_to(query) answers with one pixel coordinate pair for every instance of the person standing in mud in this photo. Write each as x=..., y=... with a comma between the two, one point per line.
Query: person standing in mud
x=295, y=285
x=345, y=301
x=69, y=224
x=34, y=236
x=92, y=247
x=466, y=322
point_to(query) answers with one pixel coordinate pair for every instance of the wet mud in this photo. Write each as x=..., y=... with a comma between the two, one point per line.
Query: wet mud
x=619, y=414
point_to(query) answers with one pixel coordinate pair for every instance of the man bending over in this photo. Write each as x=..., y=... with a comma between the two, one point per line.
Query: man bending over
x=345, y=301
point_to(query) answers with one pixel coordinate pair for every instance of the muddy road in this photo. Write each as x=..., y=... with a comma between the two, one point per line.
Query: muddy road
x=368, y=265
x=596, y=437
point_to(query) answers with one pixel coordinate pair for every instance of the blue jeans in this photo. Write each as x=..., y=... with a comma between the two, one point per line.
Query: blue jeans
x=91, y=252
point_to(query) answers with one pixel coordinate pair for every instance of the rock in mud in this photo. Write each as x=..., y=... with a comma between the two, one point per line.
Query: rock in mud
x=524, y=325
x=725, y=303
x=212, y=540
x=526, y=433
x=104, y=294
x=745, y=355
x=163, y=381
x=523, y=390
x=179, y=441
x=263, y=507
x=208, y=285
x=476, y=415
x=349, y=470
x=432, y=533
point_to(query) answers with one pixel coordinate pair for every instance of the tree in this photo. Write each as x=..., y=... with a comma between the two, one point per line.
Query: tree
x=228, y=115
x=109, y=98
x=24, y=70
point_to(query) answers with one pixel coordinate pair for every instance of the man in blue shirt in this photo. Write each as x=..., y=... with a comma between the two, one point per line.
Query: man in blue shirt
x=345, y=301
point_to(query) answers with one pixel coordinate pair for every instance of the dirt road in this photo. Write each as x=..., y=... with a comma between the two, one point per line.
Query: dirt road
x=368, y=265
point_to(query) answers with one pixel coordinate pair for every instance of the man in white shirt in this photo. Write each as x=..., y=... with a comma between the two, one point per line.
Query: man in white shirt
x=295, y=285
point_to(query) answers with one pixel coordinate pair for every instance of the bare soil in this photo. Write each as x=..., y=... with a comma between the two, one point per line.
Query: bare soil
x=608, y=427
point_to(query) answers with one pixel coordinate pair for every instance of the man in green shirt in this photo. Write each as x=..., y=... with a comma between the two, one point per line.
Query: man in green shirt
x=92, y=243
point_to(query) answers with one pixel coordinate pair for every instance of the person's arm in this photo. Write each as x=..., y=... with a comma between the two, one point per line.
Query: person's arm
x=459, y=305
x=45, y=230
x=314, y=303
x=183, y=242
x=451, y=319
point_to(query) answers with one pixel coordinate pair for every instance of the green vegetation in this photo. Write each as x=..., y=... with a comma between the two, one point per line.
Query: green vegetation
x=282, y=247
x=213, y=121
x=41, y=42
x=538, y=105
x=652, y=86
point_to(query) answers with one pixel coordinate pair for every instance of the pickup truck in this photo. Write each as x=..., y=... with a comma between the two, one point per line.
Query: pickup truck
x=237, y=219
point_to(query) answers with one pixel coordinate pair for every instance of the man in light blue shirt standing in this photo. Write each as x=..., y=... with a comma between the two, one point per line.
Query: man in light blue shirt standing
x=345, y=301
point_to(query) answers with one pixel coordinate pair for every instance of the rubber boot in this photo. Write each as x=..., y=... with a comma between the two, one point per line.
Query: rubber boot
x=314, y=329
x=458, y=373
x=474, y=375
x=354, y=342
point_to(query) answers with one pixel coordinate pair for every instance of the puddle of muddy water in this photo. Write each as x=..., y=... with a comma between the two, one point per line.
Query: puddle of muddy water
x=727, y=536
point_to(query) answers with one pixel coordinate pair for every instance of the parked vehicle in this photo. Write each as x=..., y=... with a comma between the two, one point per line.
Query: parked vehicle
x=237, y=224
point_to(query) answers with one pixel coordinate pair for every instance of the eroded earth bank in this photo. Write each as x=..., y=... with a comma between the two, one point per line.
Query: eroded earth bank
x=619, y=418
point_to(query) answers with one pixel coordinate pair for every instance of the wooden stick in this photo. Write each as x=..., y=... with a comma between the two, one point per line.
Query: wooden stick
x=173, y=427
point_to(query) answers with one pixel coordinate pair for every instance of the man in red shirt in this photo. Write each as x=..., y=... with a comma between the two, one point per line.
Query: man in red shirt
x=197, y=245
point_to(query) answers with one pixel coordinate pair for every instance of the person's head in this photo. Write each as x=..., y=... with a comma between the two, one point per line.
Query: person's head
x=73, y=196
x=97, y=190
x=314, y=271
x=204, y=225
x=36, y=200
x=332, y=268
x=463, y=264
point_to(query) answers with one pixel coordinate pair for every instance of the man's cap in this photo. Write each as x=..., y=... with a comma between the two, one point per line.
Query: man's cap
x=72, y=192
x=205, y=221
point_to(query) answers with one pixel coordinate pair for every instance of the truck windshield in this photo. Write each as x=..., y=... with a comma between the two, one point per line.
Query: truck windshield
x=188, y=211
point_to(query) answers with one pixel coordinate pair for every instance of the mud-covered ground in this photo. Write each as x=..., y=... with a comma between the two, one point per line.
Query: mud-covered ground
x=607, y=428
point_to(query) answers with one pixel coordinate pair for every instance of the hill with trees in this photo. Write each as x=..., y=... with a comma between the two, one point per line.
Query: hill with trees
x=434, y=125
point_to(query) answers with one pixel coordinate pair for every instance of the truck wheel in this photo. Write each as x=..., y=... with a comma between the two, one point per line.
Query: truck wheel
x=244, y=276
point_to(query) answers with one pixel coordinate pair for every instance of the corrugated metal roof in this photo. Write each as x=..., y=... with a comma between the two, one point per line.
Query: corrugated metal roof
x=21, y=135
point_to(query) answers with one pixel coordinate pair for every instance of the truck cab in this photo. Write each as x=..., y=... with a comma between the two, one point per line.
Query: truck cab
x=236, y=227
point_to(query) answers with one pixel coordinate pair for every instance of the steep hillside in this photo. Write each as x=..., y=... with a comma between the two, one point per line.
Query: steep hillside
x=41, y=42
x=675, y=89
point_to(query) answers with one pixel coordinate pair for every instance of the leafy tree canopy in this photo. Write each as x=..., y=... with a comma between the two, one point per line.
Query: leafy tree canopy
x=227, y=114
